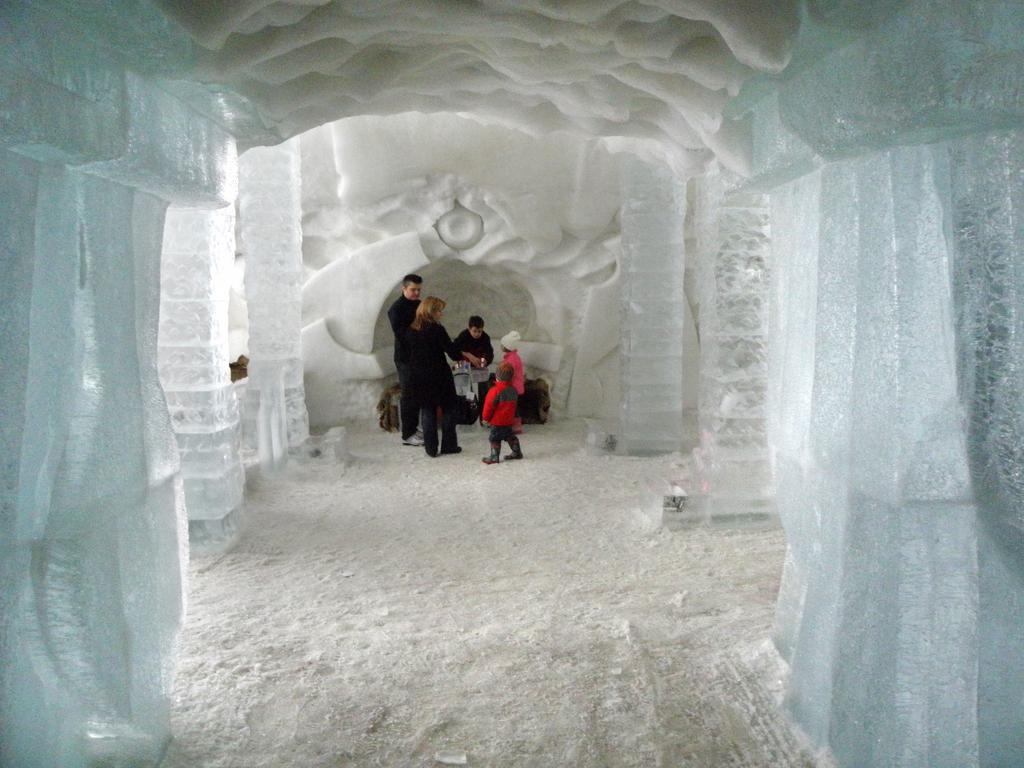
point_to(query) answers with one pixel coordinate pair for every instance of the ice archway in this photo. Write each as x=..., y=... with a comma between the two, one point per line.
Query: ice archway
x=875, y=361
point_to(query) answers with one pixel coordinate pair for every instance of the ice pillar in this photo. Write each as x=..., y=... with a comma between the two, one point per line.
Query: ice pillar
x=92, y=503
x=884, y=648
x=271, y=224
x=732, y=461
x=198, y=257
x=987, y=220
x=100, y=521
x=895, y=383
x=653, y=306
x=92, y=526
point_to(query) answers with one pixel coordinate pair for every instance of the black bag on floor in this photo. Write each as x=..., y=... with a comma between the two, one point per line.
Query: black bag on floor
x=467, y=411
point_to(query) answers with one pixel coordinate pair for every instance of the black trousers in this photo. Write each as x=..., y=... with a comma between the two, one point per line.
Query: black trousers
x=449, y=438
x=408, y=411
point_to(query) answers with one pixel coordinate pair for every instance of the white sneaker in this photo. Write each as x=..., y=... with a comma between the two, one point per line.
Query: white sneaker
x=416, y=439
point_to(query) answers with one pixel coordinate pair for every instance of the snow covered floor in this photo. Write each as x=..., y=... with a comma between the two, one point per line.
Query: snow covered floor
x=401, y=609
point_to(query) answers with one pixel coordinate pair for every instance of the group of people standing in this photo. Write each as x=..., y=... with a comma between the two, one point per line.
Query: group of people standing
x=422, y=350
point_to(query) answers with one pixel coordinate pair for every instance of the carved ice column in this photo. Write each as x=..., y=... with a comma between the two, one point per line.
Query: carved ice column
x=881, y=630
x=93, y=513
x=271, y=225
x=897, y=388
x=198, y=257
x=92, y=526
x=987, y=221
x=732, y=462
x=897, y=426
x=653, y=306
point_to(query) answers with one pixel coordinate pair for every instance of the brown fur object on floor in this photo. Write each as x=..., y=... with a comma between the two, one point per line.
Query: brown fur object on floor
x=387, y=408
x=239, y=368
x=535, y=402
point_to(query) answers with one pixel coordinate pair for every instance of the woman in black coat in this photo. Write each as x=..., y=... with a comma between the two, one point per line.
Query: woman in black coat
x=430, y=382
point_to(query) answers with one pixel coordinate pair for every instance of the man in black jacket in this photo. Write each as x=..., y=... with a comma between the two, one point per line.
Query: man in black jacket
x=401, y=315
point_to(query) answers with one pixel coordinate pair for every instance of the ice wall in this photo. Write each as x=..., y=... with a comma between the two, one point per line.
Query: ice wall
x=376, y=196
x=271, y=221
x=653, y=309
x=92, y=522
x=895, y=384
x=195, y=282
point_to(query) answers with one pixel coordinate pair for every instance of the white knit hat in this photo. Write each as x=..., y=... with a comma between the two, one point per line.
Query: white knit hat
x=511, y=340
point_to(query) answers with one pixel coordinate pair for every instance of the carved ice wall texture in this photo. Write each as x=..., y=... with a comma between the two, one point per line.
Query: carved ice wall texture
x=91, y=549
x=899, y=486
x=653, y=263
x=91, y=562
x=875, y=497
x=654, y=76
x=271, y=226
x=733, y=463
x=987, y=212
x=198, y=257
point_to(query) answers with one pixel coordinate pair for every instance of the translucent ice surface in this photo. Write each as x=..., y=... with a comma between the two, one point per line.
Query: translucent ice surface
x=733, y=239
x=893, y=329
x=93, y=542
x=93, y=531
x=653, y=309
x=894, y=325
x=885, y=465
x=270, y=213
x=196, y=270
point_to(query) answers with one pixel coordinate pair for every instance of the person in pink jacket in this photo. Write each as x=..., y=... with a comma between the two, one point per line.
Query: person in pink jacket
x=510, y=347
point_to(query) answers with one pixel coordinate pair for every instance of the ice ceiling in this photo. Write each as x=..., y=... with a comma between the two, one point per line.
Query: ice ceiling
x=650, y=77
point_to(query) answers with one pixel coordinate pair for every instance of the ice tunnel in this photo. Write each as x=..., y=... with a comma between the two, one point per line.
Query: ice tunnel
x=799, y=223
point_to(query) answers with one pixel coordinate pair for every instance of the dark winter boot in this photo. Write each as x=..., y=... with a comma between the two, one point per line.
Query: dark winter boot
x=513, y=443
x=495, y=454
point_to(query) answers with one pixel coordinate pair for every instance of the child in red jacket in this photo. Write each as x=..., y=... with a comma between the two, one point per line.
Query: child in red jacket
x=500, y=412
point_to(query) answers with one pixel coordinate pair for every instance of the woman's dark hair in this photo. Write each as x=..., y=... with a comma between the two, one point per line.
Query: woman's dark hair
x=475, y=321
